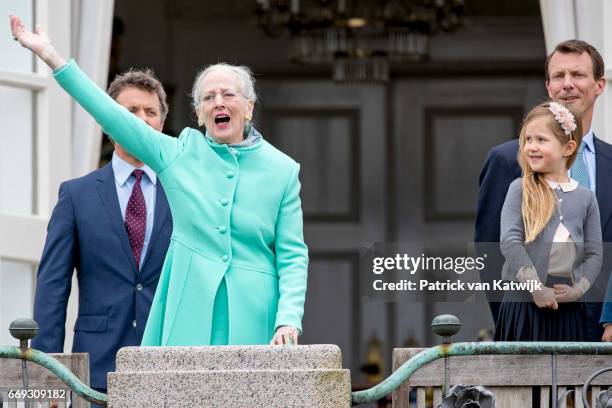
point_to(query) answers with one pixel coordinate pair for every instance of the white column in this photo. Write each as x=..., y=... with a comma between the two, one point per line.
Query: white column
x=94, y=22
x=559, y=20
x=586, y=20
x=603, y=116
x=53, y=128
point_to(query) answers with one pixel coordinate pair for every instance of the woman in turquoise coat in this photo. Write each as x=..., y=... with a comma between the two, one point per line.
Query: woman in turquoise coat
x=236, y=268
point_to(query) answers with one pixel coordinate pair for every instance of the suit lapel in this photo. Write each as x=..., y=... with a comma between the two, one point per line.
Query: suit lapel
x=603, y=175
x=108, y=195
x=161, y=213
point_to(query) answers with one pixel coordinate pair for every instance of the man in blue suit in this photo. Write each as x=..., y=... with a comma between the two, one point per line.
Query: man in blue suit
x=574, y=76
x=113, y=225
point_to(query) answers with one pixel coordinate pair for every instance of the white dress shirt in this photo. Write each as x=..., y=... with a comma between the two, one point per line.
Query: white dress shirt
x=124, y=182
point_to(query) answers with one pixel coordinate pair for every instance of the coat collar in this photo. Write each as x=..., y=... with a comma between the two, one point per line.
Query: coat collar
x=571, y=185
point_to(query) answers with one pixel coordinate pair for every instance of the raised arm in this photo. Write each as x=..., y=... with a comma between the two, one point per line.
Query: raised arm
x=148, y=145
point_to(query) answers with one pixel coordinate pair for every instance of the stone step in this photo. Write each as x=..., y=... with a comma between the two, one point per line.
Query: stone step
x=161, y=359
x=240, y=388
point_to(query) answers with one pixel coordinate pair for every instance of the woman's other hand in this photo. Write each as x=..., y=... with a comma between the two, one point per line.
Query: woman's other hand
x=38, y=42
x=566, y=293
x=545, y=298
x=285, y=335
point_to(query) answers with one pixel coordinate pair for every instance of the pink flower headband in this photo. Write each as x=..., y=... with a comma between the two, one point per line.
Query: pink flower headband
x=564, y=117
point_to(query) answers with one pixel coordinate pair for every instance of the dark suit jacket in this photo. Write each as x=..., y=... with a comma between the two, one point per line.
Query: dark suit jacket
x=501, y=167
x=87, y=232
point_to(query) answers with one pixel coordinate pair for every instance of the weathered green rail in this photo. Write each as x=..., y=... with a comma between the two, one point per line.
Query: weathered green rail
x=469, y=349
x=57, y=368
x=360, y=397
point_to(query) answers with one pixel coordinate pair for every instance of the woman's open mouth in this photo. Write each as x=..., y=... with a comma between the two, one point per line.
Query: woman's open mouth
x=222, y=120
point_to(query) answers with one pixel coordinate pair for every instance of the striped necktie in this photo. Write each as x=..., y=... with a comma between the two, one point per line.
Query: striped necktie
x=580, y=173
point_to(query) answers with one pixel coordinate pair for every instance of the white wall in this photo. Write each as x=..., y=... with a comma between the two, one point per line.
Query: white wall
x=37, y=150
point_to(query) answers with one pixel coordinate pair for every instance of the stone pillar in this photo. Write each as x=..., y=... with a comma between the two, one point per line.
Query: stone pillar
x=229, y=376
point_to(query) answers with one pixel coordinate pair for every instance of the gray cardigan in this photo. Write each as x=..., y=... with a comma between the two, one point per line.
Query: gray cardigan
x=579, y=212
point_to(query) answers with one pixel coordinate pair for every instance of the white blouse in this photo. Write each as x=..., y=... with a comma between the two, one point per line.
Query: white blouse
x=563, y=249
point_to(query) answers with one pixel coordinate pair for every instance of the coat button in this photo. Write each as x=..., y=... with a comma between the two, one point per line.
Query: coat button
x=222, y=230
x=561, y=218
x=134, y=323
x=139, y=287
x=229, y=174
x=224, y=201
x=224, y=258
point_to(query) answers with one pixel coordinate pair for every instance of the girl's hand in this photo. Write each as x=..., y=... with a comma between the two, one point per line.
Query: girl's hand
x=545, y=298
x=565, y=293
x=285, y=335
x=38, y=42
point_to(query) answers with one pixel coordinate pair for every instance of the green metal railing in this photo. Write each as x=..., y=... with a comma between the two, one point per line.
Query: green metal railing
x=470, y=349
x=57, y=368
x=445, y=326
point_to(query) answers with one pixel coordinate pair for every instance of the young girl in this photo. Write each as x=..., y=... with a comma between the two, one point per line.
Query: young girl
x=550, y=233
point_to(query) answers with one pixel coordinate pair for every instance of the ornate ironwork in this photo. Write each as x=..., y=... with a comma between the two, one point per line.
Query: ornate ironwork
x=461, y=396
x=604, y=398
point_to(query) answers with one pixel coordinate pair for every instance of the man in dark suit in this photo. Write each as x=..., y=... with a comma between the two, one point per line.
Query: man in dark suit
x=113, y=225
x=574, y=77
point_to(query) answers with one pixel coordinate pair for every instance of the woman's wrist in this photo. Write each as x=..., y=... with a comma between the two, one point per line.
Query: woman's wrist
x=582, y=286
x=52, y=58
x=527, y=274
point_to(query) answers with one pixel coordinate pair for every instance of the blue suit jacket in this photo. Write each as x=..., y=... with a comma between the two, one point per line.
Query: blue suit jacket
x=87, y=232
x=501, y=167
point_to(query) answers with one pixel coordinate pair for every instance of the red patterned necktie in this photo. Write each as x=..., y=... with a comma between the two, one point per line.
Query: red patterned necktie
x=136, y=218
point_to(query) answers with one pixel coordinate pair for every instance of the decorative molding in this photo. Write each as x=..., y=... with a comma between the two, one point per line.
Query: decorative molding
x=352, y=258
x=432, y=212
x=270, y=115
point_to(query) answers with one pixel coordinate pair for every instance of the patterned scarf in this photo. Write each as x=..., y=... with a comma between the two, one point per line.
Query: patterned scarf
x=254, y=137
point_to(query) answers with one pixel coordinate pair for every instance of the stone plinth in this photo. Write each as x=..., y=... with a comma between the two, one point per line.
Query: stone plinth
x=229, y=376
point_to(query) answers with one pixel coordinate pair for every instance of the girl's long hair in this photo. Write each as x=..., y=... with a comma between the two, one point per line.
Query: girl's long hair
x=538, y=202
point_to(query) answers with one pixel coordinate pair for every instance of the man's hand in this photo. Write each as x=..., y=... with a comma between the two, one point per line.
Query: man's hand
x=285, y=335
x=545, y=298
x=607, y=336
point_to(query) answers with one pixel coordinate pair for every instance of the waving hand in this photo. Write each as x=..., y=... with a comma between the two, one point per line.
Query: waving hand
x=38, y=42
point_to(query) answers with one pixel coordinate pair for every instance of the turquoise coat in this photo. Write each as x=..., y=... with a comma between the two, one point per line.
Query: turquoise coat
x=237, y=215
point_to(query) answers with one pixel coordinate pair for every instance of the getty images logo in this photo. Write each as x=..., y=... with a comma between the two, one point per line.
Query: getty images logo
x=412, y=264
